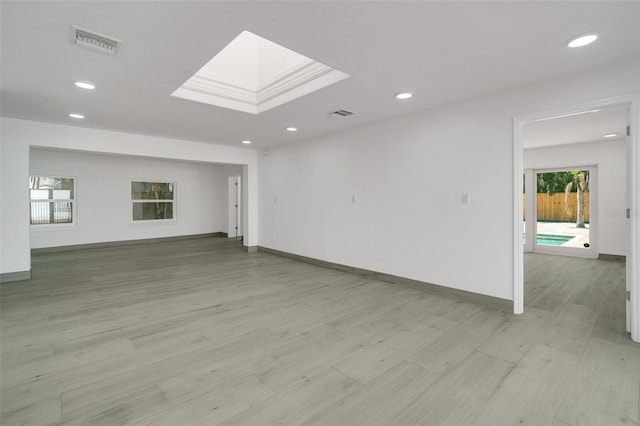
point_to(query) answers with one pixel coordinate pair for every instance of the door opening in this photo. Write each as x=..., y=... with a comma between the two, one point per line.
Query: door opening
x=526, y=178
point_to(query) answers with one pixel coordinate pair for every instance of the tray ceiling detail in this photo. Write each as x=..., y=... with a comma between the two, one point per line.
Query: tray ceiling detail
x=253, y=74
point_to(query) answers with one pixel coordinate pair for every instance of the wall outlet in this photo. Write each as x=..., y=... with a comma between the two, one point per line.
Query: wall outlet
x=466, y=198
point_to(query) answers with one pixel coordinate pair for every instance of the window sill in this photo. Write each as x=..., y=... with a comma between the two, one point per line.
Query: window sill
x=54, y=227
x=158, y=222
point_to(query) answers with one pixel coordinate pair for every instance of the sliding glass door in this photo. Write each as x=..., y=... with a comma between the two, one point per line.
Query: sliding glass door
x=565, y=217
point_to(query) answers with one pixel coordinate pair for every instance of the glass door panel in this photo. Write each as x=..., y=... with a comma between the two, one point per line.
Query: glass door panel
x=563, y=210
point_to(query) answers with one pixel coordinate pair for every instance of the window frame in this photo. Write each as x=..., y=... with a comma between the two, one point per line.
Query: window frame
x=74, y=200
x=153, y=221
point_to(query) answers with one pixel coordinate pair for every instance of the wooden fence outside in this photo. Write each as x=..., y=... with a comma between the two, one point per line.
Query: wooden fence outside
x=552, y=208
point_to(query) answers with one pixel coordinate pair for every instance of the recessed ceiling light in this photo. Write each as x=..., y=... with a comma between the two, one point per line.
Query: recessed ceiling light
x=246, y=142
x=85, y=85
x=76, y=115
x=582, y=39
x=610, y=135
x=403, y=95
x=291, y=129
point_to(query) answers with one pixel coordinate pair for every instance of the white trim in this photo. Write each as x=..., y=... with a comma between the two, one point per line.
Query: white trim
x=531, y=200
x=518, y=226
x=632, y=255
x=46, y=227
x=634, y=203
x=153, y=222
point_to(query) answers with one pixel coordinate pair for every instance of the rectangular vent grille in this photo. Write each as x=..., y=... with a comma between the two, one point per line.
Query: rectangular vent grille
x=94, y=41
x=341, y=113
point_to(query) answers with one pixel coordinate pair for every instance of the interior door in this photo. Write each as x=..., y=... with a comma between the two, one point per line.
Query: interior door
x=234, y=214
x=238, y=210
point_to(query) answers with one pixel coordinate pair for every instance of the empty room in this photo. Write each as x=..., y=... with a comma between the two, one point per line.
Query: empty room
x=319, y=213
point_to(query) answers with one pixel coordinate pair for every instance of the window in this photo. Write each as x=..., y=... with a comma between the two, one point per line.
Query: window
x=52, y=199
x=153, y=200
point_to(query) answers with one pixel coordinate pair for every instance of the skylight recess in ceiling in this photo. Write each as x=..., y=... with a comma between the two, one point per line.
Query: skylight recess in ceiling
x=252, y=74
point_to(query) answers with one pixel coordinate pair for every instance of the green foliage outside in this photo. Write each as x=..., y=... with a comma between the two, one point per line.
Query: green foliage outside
x=51, y=183
x=149, y=191
x=556, y=182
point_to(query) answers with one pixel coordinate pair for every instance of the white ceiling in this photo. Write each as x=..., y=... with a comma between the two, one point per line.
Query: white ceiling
x=440, y=51
x=587, y=127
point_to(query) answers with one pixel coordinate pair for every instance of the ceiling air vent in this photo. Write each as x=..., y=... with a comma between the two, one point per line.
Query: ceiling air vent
x=341, y=113
x=94, y=41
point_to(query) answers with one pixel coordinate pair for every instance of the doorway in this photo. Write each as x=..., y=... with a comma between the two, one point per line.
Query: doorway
x=586, y=112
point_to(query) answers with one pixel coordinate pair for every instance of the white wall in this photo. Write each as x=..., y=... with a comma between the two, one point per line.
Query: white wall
x=17, y=137
x=610, y=157
x=408, y=175
x=103, y=190
x=14, y=225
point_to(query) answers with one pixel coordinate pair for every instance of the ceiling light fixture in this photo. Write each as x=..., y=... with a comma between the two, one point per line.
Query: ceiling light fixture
x=582, y=39
x=291, y=129
x=76, y=115
x=85, y=85
x=610, y=135
x=403, y=95
x=246, y=142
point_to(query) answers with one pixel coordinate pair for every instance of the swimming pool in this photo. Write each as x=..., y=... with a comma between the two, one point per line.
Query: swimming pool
x=553, y=240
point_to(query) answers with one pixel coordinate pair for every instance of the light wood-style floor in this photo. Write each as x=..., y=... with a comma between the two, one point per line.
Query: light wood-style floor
x=198, y=332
